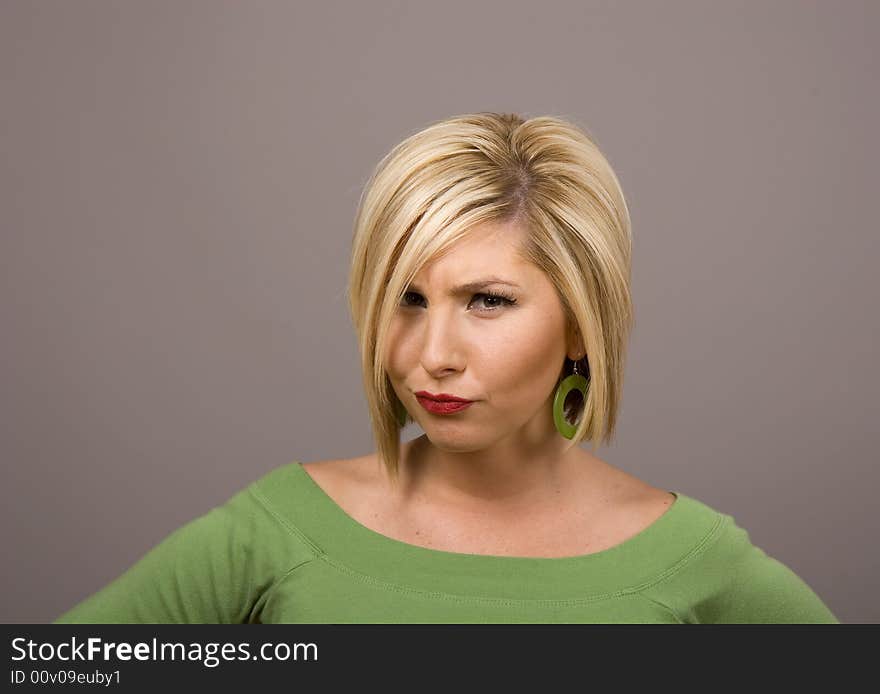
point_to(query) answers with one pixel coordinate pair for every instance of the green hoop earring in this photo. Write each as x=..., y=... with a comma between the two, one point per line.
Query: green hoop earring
x=575, y=381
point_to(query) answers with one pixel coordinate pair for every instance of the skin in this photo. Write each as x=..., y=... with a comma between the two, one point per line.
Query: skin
x=504, y=450
x=493, y=478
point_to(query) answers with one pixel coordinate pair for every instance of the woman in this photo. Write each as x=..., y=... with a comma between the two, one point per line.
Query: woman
x=490, y=291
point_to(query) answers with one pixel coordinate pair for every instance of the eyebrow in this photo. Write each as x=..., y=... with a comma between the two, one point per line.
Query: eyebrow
x=473, y=286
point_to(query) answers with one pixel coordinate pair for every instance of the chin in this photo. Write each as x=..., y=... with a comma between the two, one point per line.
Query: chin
x=457, y=440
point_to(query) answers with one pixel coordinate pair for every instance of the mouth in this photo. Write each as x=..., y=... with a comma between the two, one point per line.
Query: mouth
x=440, y=397
x=443, y=406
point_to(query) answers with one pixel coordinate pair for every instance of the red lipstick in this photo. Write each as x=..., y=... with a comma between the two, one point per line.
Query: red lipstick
x=442, y=403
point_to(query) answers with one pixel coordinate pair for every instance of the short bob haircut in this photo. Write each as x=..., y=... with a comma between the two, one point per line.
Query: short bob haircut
x=438, y=183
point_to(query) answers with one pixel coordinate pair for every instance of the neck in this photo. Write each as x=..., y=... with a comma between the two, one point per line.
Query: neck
x=511, y=476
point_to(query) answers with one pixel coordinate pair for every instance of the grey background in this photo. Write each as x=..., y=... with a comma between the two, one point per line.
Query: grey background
x=179, y=181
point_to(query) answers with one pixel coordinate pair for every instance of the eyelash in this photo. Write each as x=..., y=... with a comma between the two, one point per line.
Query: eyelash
x=505, y=300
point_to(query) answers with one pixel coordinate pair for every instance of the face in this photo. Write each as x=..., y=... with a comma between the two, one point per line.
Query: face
x=501, y=345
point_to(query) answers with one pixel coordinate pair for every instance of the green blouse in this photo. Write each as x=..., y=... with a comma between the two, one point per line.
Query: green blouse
x=282, y=551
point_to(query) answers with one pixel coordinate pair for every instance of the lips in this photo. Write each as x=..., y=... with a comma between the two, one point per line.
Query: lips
x=440, y=397
x=443, y=406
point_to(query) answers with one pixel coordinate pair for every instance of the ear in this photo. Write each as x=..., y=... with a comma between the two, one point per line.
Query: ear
x=574, y=344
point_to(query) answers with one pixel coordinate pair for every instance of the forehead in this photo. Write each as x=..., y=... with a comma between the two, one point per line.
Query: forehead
x=487, y=249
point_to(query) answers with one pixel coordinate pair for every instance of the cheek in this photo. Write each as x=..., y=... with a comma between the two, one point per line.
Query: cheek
x=398, y=347
x=509, y=357
x=525, y=358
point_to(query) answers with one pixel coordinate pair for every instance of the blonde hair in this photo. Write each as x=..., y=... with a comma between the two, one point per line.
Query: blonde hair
x=438, y=183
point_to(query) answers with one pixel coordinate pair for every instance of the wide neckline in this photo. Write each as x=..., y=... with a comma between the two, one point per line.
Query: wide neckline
x=349, y=544
x=374, y=536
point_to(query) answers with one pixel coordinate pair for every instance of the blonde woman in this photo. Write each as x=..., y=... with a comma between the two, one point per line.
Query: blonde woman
x=490, y=292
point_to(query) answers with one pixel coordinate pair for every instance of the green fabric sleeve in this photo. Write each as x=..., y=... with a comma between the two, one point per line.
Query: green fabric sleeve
x=732, y=581
x=218, y=568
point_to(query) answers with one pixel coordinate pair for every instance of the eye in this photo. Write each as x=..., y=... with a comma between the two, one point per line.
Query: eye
x=496, y=301
x=492, y=301
x=409, y=295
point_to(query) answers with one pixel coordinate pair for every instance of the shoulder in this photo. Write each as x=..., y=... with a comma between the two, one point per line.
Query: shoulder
x=353, y=484
x=630, y=502
x=284, y=485
x=339, y=470
x=725, y=578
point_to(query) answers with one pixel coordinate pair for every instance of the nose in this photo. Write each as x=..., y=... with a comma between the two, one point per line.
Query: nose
x=442, y=351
